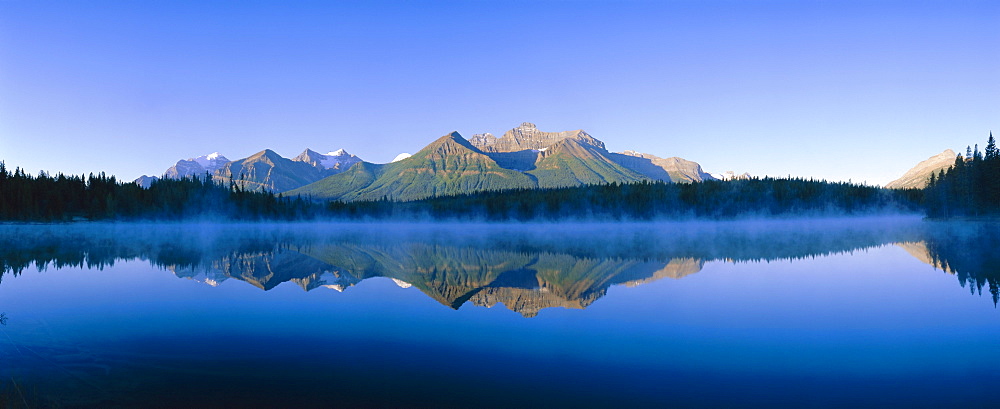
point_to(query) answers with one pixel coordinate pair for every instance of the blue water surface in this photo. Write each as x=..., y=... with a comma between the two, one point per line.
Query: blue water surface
x=747, y=315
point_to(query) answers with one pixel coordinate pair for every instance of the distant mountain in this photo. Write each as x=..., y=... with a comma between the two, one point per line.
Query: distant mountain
x=266, y=170
x=527, y=136
x=145, y=181
x=575, y=161
x=523, y=158
x=673, y=169
x=731, y=175
x=589, y=161
x=449, y=165
x=196, y=166
x=336, y=161
x=919, y=176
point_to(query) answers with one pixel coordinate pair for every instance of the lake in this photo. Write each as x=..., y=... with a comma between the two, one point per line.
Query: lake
x=817, y=313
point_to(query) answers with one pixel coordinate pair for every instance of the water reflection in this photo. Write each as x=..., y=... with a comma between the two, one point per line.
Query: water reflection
x=967, y=250
x=524, y=268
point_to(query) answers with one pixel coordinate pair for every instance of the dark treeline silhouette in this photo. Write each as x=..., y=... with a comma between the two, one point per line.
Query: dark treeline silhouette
x=756, y=197
x=970, y=187
x=24, y=197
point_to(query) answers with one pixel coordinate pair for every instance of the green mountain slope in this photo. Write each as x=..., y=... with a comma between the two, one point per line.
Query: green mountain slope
x=348, y=183
x=570, y=162
x=523, y=158
x=449, y=165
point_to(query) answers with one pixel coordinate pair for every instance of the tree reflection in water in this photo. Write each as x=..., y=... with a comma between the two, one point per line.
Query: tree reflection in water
x=526, y=268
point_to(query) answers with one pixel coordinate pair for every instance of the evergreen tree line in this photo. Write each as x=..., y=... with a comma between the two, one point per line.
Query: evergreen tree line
x=47, y=198
x=756, y=197
x=970, y=187
x=24, y=197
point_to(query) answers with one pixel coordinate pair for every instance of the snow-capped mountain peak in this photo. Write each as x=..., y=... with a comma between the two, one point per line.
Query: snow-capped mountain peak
x=338, y=160
x=211, y=162
x=731, y=175
x=196, y=166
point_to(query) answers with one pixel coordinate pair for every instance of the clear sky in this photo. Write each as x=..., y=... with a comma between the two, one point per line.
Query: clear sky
x=859, y=90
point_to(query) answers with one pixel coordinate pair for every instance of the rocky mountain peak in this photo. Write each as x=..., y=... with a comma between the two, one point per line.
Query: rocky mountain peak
x=145, y=181
x=673, y=169
x=527, y=136
x=308, y=153
x=198, y=166
x=337, y=160
x=483, y=139
x=449, y=143
x=918, y=176
x=266, y=153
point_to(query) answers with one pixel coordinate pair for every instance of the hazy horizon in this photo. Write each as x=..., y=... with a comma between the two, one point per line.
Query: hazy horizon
x=856, y=90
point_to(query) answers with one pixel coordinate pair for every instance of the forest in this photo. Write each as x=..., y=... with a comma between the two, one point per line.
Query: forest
x=969, y=188
x=47, y=198
x=756, y=197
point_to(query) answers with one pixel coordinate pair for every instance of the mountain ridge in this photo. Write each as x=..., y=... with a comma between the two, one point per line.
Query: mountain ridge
x=523, y=158
x=267, y=170
x=918, y=176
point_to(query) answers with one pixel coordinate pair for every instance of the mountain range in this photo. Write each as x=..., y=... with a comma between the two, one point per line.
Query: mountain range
x=523, y=158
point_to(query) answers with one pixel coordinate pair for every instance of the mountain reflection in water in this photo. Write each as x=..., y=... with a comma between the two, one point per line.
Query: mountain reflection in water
x=526, y=268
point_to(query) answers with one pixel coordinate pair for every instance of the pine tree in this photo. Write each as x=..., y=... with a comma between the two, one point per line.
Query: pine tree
x=991, y=149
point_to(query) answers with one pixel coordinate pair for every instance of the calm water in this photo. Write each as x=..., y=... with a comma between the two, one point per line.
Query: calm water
x=859, y=312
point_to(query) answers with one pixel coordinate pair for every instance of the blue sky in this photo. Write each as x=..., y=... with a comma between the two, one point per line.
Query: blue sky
x=838, y=90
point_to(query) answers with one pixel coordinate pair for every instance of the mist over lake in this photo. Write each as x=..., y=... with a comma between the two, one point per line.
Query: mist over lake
x=831, y=312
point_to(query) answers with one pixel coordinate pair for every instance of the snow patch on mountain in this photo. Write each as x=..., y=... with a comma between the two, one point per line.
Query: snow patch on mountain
x=731, y=175
x=400, y=157
x=338, y=159
x=211, y=162
x=197, y=167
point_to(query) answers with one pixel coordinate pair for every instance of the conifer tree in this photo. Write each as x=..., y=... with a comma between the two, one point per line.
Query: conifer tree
x=991, y=148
